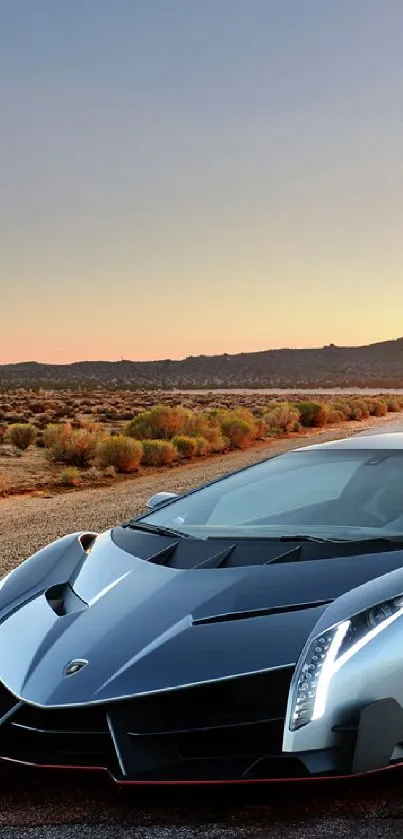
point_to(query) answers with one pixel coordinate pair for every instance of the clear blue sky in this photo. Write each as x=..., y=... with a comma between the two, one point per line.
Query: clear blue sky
x=198, y=176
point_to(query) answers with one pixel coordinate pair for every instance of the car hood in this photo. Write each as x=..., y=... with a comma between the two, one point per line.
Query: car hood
x=142, y=627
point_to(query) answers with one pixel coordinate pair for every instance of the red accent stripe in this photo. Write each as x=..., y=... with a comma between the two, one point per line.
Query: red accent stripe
x=310, y=778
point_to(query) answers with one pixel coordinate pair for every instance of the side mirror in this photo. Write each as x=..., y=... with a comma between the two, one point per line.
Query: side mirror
x=160, y=498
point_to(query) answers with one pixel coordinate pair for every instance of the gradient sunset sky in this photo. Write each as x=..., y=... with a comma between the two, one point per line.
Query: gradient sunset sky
x=181, y=177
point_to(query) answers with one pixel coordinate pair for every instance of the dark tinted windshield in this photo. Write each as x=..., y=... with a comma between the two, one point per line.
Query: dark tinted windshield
x=328, y=493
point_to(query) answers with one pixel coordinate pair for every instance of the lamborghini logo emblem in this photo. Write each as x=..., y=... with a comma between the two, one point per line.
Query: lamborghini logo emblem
x=74, y=666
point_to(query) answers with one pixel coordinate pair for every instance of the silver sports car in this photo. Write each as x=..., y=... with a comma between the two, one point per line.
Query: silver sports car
x=250, y=630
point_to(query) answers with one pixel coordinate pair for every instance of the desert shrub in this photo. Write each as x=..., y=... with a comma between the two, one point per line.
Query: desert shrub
x=343, y=408
x=70, y=476
x=54, y=431
x=159, y=423
x=197, y=423
x=202, y=446
x=158, y=452
x=359, y=409
x=123, y=453
x=378, y=408
x=312, y=414
x=355, y=413
x=40, y=440
x=239, y=432
x=186, y=446
x=245, y=414
x=75, y=447
x=219, y=414
x=21, y=435
x=16, y=419
x=334, y=415
x=110, y=471
x=76, y=422
x=92, y=474
x=256, y=422
x=260, y=428
x=37, y=407
x=2, y=432
x=393, y=405
x=282, y=417
x=215, y=439
x=42, y=420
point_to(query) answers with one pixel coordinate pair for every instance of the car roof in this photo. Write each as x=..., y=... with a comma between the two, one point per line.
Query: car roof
x=389, y=441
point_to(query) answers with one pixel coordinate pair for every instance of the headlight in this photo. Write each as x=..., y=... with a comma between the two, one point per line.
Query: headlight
x=327, y=653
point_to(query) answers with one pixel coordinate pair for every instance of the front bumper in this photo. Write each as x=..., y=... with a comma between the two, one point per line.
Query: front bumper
x=215, y=733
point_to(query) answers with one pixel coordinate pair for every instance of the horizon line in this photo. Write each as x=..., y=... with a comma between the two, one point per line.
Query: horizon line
x=201, y=355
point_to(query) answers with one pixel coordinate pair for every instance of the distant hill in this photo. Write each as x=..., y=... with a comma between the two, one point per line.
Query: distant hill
x=374, y=365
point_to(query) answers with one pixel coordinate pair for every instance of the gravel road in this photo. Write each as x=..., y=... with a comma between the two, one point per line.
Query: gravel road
x=61, y=806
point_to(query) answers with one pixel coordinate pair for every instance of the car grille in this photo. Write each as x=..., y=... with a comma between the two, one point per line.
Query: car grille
x=224, y=731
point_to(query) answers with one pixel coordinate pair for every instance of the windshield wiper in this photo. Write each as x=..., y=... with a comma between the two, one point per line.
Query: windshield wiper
x=158, y=529
x=303, y=537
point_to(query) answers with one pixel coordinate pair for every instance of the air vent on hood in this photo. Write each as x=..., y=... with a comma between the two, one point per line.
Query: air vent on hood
x=258, y=613
x=87, y=540
x=63, y=600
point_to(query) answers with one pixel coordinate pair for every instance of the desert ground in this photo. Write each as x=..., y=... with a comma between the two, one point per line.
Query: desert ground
x=59, y=806
x=57, y=440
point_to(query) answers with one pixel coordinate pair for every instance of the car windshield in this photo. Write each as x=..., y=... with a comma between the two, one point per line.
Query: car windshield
x=331, y=494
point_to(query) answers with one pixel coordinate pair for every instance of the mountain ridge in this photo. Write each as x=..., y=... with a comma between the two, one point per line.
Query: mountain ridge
x=369, y=365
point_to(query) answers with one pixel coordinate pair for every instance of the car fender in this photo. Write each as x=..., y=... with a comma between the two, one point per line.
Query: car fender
x=49, y=566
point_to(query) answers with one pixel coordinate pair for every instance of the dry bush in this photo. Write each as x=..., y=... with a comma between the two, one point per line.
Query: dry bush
x=186, y=446
x=283, y=417
x=312, y=414
x=359, y=409
x=344, y=408
x=239, y=432
x=202, y=446
x=197, y=424
x=215, y=438
x=55, y=431
x=377, y=407
x=110, y=472
x=334, y=416
x=393, y=405
x=92, y=474
x=160, y=423
x=37, y=407
x=70, y=476
x=158, y=452
x=68, y=445
x=16, y=419
x=123, y=453
x=21, y=435
x=260, y=428
x=42, y=420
